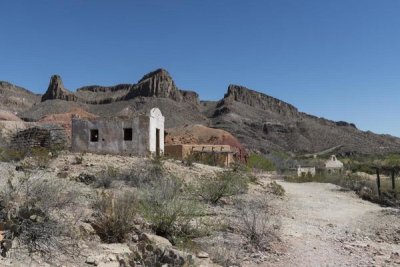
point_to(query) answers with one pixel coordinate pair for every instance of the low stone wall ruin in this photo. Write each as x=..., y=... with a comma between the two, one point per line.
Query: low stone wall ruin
x=48, y=136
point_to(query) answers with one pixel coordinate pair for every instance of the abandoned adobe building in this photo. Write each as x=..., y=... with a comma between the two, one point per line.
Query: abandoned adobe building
x=141, y=135
x=221, y=155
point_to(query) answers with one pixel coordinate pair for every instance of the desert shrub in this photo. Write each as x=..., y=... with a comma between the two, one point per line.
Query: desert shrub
x=34, y=212
x=224, y=184
x=41, y=156
x=105, y=178
x=254, y=222
x=258, y=162
x=190, y=159
x=141, y=176
x=225, y=254
x=276, y=188
x=78, y=159
x=8, y=155
x=170, y=211
x=114, y=216
x=239, y=167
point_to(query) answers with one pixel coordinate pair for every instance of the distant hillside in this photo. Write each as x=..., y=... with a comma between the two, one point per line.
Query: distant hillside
x=16, y=99
x=266, y=123
x=259, y=121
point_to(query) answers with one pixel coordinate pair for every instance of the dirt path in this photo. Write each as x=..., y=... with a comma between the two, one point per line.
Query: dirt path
x=325, y=226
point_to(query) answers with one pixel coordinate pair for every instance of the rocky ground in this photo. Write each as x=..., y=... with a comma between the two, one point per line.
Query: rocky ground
x=310, y=225
x=88, y=250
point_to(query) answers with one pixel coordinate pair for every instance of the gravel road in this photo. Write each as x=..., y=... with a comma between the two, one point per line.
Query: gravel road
x=326, y=226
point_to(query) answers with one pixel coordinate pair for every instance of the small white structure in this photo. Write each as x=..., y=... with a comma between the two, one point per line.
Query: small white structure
x=304, y=171
x=140, y=134
x=156, y=132
x=333, y=164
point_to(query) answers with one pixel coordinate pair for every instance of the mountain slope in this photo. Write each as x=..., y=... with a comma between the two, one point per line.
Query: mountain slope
x=265, y=123
x=16, y=99
x=259, y=121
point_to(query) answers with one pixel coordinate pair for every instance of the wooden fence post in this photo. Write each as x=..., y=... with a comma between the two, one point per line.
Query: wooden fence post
x=378, y=181
x=393, y=181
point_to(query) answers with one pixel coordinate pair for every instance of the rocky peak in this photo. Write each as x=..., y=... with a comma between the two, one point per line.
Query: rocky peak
x=56, y=90
x=258, y=100
x=157, y=83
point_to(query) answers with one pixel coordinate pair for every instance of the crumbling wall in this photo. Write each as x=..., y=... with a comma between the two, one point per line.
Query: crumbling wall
x=48, y=136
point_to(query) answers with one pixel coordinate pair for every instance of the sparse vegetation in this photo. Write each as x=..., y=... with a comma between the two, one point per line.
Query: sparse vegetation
x=276, y=189
x=41, y=156
x=224, y=184
x=254, y=222
x=105, y=178
x=366, y=188
x=34, y=213
x=114, y=216
x=142, y=175
x=258, y=162
x=170, y=211
x=8, y=155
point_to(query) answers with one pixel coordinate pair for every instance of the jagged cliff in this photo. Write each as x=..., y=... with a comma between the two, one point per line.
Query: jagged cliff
x=158, y=83
x=56, y=90
x=155, y=84
x=259, y=121
x=257, y=100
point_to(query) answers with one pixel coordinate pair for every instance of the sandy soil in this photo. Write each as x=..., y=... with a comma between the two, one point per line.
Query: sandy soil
x=325, y=226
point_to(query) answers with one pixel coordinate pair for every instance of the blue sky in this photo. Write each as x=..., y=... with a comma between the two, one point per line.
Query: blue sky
x=335, y=59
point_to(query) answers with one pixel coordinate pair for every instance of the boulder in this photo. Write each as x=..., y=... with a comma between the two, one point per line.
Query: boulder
x=155, y=240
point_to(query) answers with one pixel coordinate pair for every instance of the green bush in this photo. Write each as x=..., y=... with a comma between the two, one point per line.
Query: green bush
x=8, y=155
x=168, y=209
x=224, y=184
x=259, y=162
x=41, y=156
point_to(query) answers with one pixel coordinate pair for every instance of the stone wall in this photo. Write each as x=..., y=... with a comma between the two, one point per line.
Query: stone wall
x=48, y=136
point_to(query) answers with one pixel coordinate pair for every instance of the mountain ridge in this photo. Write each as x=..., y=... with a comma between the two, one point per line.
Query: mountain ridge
x=261, y=122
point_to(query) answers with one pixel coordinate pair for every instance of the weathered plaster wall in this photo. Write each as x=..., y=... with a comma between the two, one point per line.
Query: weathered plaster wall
x=111, y=136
